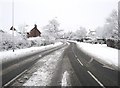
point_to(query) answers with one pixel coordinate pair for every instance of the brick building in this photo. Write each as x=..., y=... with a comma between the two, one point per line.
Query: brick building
x=34, y=32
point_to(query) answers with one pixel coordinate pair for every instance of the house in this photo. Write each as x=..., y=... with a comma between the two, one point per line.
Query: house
x=91, y=34
x=34, y=32
x=12, y=28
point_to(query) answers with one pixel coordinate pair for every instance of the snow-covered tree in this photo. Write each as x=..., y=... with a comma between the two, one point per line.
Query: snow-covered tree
x=111, y=26
x=78, y=34
x=99, y=32
x=22, y=29
x=52, y=31
x=81, y=33
x=69, y=35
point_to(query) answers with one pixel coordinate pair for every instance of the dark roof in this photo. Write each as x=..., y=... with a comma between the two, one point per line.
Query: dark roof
x=35, y=28
x=2, y=31
x=12, y=28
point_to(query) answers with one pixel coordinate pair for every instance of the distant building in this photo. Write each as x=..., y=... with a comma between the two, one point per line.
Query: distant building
x=91, y=34
x=34, y=32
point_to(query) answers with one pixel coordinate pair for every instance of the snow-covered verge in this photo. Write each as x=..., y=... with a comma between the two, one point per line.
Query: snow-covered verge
x=9, y=55
x=102, y=53
x=44, y=74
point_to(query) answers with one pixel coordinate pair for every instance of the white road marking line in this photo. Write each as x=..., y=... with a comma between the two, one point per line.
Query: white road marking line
x=73, y=51
x=65, y=79
x=96, y=79
x=79, y=61
x=15, y=78
x=75, y=55
x=77, y=58
x=105, y=66
x=40, y=55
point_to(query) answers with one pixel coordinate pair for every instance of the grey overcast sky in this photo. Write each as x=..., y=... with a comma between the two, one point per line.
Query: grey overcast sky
x=71, y=14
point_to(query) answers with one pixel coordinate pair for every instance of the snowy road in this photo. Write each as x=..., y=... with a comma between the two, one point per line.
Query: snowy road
x=68, y=66
x=51, y=70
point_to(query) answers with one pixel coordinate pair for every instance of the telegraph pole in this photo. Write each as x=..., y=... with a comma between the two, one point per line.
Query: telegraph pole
x=13, y=24
x=119, y=19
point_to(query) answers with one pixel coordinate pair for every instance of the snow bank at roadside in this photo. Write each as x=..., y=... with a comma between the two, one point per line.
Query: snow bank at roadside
x=10, y=55
x=102, y=53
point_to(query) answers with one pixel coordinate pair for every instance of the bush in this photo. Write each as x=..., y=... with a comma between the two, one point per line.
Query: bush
x=118, y=44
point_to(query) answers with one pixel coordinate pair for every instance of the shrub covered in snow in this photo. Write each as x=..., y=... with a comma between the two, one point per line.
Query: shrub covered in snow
x=38, y=41
x=7, y=41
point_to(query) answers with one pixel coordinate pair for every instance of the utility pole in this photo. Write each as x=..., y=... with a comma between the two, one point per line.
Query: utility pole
x=13, y=24
x=119, y=19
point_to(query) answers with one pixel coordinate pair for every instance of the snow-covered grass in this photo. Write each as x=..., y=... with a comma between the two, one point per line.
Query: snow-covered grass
x=44, y=74
x=102, y=53
x=10, y=55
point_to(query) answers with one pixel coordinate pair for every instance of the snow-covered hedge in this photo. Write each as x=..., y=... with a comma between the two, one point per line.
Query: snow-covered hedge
x=19, y=42
x=7, y=41
x=39, y=41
